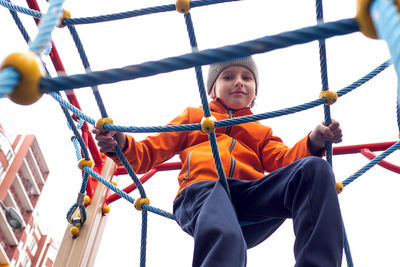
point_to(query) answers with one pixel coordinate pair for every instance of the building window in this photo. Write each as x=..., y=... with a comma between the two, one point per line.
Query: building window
x=1, y=172
x=7, y=150
x=26, y=262
x=5, y=146
x=32, y=245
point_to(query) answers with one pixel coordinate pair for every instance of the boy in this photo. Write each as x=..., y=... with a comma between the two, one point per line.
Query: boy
x=300, y=185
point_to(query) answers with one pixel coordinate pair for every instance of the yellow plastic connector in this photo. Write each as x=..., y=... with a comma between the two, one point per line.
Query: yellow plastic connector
x=330, y=96
x=66, y=15
x=84, y=162
x=74, y=231
x=364, y=19
x=114, y=183
x=100, y=123
x=183, y=6
x=87, y=200
x=339, y=187
x=106, y=209
x=208, y=124
x=31, y=71
x=140, y=201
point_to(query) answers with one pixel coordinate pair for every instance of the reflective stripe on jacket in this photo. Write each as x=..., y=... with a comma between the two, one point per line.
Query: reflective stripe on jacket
x=246, y=150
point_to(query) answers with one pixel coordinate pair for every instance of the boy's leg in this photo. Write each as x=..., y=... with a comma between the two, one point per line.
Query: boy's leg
x=204, y=210
x=304, y=191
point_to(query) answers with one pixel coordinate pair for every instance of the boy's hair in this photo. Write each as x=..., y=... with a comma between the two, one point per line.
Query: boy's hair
x=217, y=68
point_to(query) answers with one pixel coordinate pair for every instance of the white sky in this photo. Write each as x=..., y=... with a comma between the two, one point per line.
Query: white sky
x=288, y=77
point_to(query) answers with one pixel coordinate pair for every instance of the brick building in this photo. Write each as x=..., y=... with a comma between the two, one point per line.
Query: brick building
x=23, y=173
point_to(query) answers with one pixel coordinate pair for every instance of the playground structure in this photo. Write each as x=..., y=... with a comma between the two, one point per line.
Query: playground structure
x=85, y=144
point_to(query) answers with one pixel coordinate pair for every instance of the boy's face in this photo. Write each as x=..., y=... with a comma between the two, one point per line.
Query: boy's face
x=235, y=86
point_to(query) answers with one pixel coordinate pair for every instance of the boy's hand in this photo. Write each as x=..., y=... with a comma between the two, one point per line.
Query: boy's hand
x=322, y=133
x=106, y=142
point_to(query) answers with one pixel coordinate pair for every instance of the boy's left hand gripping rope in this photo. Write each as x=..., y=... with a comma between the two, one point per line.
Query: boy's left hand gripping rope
x=30, y=70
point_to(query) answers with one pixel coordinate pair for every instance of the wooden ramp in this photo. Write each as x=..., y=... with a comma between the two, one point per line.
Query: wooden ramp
x=81, y=251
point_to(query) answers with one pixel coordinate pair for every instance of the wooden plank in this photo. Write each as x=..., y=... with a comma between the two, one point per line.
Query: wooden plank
x=81, y=251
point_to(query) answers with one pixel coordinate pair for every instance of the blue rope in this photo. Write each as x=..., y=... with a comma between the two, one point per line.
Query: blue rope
x=365, y=78
x=8, y=80
x=324, y=77
x=347, y=251
x=206, y=107
x=137, y=13
x=86, y=64
x=38, y=45
x=199, y=73
x=125, y=196
x=74, y=129
x=129, y=170
x=20, y=25
x=85, y=179
x=209, y=56
x=327, y=111
x=48, y=23
x=322, y=47
x=9, y=77
x=74, y=139
x=143, y=239
x=77, y=147
x=24, y=10
x=387, y=23
x=372, y=163
x=228, y=122
x=159, y=212
x=218, y=163
x=72, y=108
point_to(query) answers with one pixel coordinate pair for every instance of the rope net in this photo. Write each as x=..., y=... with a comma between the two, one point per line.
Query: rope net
x=86, y=150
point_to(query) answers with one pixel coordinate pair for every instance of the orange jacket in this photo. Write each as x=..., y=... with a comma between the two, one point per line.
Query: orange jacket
x=246, y=150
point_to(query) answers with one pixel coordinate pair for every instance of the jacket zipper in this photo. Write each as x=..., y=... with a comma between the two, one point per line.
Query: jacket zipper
x=188, y=167
x=229, y=128
x=228, y=131
x=233, y=162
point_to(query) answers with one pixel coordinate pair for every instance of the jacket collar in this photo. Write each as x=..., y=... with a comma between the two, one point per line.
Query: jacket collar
x=217, y=105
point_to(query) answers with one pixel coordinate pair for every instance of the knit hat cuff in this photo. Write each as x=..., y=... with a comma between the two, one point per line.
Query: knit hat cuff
x=217, y=68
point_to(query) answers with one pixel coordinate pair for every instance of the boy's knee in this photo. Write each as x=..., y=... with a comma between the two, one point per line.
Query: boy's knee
x=318, y=170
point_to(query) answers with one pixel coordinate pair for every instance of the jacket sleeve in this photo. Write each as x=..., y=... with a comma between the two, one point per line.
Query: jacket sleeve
x=275, y=154
x=155, y=149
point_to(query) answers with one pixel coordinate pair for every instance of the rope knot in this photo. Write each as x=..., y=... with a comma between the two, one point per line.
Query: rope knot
x=330, y=96
x=100, y=123
x=83, y=162
x=31, y=71
x=140, y=201
x=66, y=15
x=208, y=124
x=182, y=6
x=339, y=188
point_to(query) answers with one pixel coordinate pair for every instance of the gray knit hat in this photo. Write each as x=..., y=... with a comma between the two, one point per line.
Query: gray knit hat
x=217, y=68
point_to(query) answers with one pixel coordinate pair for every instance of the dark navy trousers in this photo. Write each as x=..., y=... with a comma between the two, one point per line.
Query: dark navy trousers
x=224, y=228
